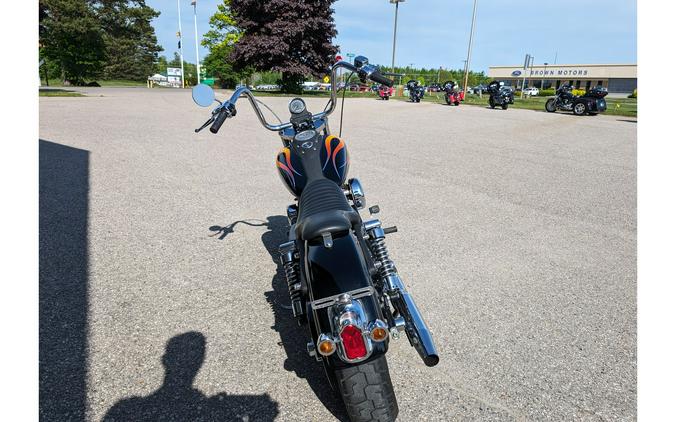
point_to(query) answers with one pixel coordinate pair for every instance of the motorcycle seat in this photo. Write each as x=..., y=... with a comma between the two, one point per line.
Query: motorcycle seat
x=323, y=208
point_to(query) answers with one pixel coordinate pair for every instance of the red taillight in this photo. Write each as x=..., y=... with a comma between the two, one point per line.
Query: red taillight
x=352, y=341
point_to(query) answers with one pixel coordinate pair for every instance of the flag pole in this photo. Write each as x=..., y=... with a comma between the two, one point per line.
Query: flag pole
x=180, y=46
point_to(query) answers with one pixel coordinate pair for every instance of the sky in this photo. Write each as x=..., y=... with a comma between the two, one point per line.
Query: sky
x=433, y=33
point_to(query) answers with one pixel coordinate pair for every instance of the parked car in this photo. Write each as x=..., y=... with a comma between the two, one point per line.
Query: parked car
x=479, y=89
x=267, y=87
x=531, y=91
x=358, y=87
x=435, y=88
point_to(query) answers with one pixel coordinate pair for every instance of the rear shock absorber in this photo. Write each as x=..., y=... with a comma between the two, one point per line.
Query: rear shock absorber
x=289, y=260
x=379, y=249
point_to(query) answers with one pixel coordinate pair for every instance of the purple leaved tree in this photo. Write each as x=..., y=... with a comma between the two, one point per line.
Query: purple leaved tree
x=294, y=37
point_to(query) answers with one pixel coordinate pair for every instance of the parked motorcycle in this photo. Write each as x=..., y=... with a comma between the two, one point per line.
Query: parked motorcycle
x=385, y=92
x=343, y=286
x=453, y=95
x=415, y=91
x=592, y=102
x=499, y=95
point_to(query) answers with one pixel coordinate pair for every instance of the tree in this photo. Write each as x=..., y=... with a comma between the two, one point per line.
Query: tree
x=130, y=40
x=289, y=36
x=161, y=65
x=220, y=40
x=71, y=37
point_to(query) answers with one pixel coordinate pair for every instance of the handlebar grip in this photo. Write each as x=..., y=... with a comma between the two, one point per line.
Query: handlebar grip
x=381, y=79
x=220, y=119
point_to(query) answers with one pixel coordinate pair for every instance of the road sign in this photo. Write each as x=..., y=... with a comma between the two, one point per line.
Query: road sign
x=173, y=71
x=350, y=55
x=326, y=79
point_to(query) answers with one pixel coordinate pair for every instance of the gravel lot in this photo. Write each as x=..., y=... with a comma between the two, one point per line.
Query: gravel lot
x=517, y=236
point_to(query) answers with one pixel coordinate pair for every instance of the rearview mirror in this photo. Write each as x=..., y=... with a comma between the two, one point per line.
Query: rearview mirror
x=203, y=95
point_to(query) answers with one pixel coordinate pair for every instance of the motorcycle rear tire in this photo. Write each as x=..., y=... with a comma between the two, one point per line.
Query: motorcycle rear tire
x=367, y=391
x=505, y=106
x=550, y=105
x=579, y=109
x=492, y=102
x=456, y=103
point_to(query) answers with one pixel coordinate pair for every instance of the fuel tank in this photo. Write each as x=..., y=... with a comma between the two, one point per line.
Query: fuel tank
x=292, y=162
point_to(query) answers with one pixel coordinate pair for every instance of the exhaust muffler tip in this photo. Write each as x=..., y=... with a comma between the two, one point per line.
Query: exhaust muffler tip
x=431, y=360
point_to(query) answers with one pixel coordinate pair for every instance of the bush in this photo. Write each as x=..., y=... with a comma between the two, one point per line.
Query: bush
x=546, y=92
x=634, y=94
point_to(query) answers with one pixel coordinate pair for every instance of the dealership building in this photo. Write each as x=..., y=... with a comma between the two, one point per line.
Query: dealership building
x=617, y=78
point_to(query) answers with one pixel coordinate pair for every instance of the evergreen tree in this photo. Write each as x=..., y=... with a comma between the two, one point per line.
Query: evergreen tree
x=71, y=37
x=289, y=36
x=130, y=40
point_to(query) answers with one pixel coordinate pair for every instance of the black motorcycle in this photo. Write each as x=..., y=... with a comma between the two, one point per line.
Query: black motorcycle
x=343, y=286
x=499, y=95
x=592, y=102
x=415, y=91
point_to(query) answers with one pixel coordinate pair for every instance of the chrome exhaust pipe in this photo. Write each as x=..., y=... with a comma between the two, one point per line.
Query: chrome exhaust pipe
x=415, y=327
x=421, y=339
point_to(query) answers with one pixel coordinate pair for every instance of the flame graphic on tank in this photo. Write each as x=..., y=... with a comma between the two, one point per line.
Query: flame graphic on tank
x=331, y=153
x=286, y=165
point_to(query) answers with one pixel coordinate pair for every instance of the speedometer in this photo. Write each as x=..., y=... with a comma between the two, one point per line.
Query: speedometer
x=296, y=106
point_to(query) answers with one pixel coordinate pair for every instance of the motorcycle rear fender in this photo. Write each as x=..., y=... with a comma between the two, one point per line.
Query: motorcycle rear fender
x=332, y=271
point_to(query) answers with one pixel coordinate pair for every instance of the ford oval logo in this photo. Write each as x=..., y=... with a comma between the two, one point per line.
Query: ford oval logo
x=516, y=73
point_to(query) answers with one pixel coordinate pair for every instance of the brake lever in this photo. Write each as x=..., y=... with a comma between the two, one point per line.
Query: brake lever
x=208, y=122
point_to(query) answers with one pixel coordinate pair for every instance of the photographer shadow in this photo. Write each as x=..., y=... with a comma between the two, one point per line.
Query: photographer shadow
x=178, y=400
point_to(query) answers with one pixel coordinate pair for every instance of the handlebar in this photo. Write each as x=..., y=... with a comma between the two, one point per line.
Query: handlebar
x=218, y=122
x=379, y=78
x=228, y=109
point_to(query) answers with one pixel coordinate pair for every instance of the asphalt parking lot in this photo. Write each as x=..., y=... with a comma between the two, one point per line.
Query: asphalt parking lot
x=517, y=237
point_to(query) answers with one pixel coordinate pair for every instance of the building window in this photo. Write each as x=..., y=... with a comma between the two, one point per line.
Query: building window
x=599, y=83
x=588, y=85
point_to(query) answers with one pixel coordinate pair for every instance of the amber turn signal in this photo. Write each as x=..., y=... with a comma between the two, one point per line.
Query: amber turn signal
x=326, y=345
x=378, y=334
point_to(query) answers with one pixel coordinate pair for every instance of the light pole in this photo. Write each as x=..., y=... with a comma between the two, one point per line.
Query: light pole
x=180, y=46
x=468, y=54
x=393, y=50
x=543, y=81
x=199, y=79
